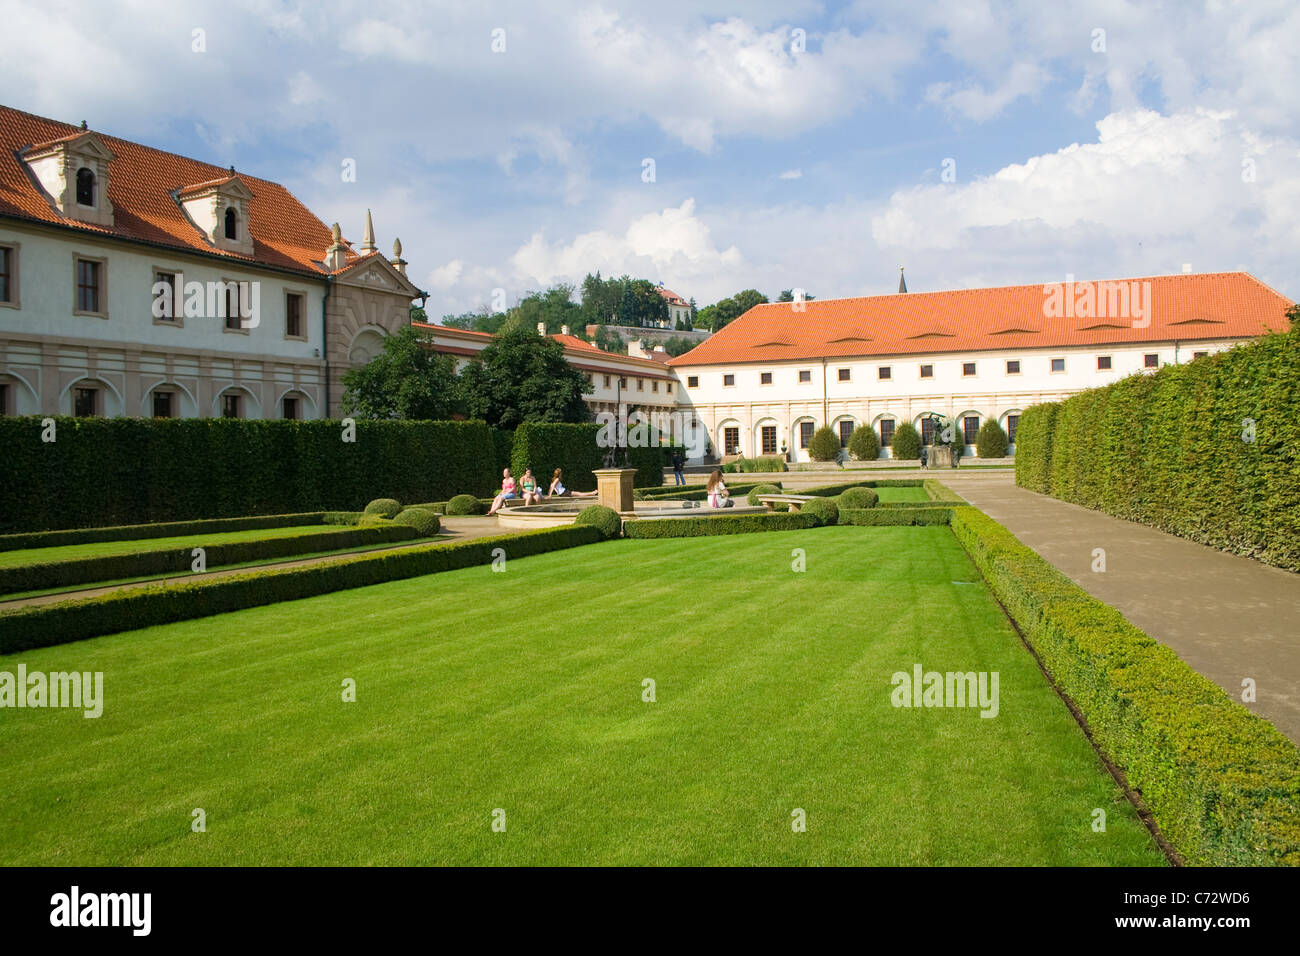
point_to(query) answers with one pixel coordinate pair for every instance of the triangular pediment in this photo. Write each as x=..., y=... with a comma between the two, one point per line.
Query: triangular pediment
x=84, y=143
x=376, y=272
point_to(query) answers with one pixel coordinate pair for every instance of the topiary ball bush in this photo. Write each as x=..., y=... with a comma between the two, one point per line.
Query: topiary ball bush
x=603, y=518
x=752, y=497
x=824, y=509
x=425, y=522
x=465, y=505
x=907, y=443
x=858, y=498
x=387, y=507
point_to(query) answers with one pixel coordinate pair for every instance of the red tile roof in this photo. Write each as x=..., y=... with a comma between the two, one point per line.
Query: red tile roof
x=141, y=182
x=1183, y=307
x=671, y=296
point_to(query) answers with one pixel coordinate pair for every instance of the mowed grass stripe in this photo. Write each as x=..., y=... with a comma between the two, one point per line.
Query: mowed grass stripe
x=99, y=549
x=522, y=690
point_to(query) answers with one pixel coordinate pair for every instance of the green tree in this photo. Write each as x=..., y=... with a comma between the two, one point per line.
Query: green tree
x=524, y=377
x=824, y=445
x=480, y=321
x=991, y=440
x=407, y=380
x=863, y=443
x=607, y=340
x=907, y=442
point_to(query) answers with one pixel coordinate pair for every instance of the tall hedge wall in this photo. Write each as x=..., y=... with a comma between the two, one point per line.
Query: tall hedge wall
x=545, y=447
x=116, y=471
x=1175, y=450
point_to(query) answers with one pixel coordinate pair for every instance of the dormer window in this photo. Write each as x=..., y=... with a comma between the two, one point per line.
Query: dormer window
x=85, y=187
x=73, y=172
x=217, y=208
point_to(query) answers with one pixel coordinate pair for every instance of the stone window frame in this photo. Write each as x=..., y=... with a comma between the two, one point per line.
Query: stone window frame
x=77, y=259
x=15, y=286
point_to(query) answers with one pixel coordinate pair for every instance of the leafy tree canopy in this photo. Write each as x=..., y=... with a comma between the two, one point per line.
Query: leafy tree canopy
x=524, y=377
x=407, y=380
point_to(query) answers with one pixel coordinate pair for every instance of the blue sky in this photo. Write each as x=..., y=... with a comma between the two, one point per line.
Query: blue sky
x=1171, y=138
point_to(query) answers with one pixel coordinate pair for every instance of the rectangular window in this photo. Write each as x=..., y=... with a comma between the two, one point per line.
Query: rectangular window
x=172, y=307
x=1013, y=366
x=1196, y=355
x=230, y=405
x=1151, y=360
x=764, y=378
x=886, y=432
x=927, y=431
x=1013, y=421
x=232, y=309
x=769, y=439
x=164, y=405
x=654, y=385
x=85, y=402
x=728, y=379
x=884, y=373
x=692, y=381
x=640, y=385
x=622, y=381
x=289, y=410
x=293, y=308
x=7, y=275
x=4, y=399
x=846, y=430
x=731, y=441
x=607, y=381
x=1058, y=365
x=668, y=387
x=927, y=371
x=89, y=285
x=843, y=375
x=970, y=429
x=805, y=433
x=1103, y=363
x=805, y=375
x=967, y=368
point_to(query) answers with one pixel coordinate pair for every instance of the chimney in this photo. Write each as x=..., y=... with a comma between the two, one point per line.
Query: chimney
x=336, y=256
x=541, y=328
x=564, y=330
x=398, y=262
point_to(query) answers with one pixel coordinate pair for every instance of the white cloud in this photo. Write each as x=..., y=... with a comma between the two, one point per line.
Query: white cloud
x=792, y=174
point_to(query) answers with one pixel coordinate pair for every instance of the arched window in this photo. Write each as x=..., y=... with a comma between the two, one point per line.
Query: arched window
x=232, y=223
x=85, y=187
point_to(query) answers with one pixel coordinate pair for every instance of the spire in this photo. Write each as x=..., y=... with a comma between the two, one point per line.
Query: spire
x=902, y=283
x=368, y=240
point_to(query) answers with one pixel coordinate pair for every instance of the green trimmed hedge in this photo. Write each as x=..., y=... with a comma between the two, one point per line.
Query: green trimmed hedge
x=1222, y=784
x=761, y=465
x=858, y=498
x=831, y=491
x=893, y=516
x=714, y=525
x=169, y=529
x=547, y=446
x=1173, y=449
x=602, y=518
x=114, y=471
x=700, y=492
x=937, y=491
x=141, y=564
x=66, y=621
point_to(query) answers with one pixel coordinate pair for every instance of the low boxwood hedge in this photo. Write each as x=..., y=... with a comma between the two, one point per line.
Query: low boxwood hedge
x=937, y=491
x=700, y=492
x=893, y=516
x=717, y=524
x=757, y=490
x=169, y=529
x=141, y=564
x=1222, y=784
x=63, y=622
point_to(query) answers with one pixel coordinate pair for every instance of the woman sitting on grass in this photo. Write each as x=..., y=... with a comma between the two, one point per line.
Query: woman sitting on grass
x=557, y=489
x=528, y=484
x=507, y=492
x=719, y=496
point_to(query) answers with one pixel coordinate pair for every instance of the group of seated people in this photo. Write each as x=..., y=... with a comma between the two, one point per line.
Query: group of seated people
x=527, y=489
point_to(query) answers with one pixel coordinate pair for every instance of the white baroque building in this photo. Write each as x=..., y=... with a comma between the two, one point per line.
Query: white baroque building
x=92, y=227
x=767, y=380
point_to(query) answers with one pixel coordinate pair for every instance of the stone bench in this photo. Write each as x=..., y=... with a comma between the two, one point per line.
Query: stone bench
x=794, y=501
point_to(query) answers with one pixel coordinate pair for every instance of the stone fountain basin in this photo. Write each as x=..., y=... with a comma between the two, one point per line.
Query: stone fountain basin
x=554, y=514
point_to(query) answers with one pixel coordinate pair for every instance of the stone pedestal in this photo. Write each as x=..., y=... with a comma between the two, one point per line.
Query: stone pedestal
x=614, y=487
x=941, y=457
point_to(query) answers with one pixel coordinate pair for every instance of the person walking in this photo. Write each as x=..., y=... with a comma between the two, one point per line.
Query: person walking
x=679, y=463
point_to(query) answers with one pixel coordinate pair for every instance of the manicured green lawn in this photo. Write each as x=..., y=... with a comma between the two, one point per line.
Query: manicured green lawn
x=96, y=549
x=523, y=691
x=888, y=494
